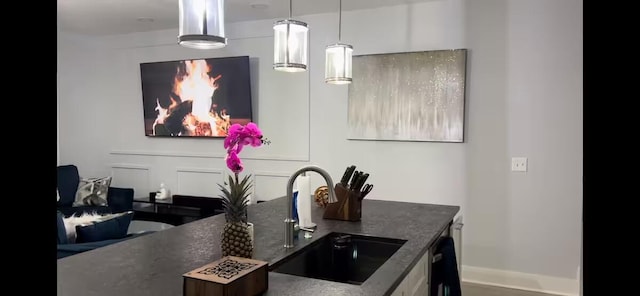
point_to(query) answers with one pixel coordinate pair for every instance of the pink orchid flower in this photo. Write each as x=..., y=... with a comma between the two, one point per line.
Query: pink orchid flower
x=239, y=136
x=234, y=163
x=253, y=130
x=235, y=128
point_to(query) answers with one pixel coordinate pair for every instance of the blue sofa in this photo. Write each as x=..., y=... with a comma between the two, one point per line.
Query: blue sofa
x=118, y=199
x=115, y=229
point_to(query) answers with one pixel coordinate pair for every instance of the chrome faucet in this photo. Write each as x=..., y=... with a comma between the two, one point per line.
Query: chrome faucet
x=289, y=222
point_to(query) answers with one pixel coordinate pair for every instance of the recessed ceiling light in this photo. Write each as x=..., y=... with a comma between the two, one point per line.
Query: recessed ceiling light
x=259, y=4
x=145, y=19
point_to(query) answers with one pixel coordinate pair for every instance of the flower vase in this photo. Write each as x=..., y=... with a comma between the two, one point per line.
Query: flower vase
x=250, y=229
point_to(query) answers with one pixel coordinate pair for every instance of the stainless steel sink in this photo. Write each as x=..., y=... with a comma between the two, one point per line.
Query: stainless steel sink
x=340, y=257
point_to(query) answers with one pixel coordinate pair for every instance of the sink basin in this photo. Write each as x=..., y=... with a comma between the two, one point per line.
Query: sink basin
x=340, y=257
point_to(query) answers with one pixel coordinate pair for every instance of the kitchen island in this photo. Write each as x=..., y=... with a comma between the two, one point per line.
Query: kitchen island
x=153, y=264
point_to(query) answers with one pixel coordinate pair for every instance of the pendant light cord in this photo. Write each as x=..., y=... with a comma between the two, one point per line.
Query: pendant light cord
x=340, y=22
x=290, y=8
x=204, y=21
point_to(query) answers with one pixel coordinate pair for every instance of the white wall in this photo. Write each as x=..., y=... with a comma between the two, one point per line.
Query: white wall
x=524, y=98
x=58, y=99
x=57, y=122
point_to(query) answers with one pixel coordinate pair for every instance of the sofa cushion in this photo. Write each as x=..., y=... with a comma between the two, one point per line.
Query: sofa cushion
x=120, y=199
x=77, y=211
x=71, y=221
x=112, y=226
x=62, y=233
x=67, y=184
x=93, y=192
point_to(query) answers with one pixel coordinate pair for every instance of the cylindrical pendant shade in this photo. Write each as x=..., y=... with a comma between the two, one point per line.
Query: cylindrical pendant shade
x=290, y=46
x=202, y=24
x=338, y=64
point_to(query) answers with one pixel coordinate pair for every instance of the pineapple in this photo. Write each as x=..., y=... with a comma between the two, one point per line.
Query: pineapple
x=236, y=240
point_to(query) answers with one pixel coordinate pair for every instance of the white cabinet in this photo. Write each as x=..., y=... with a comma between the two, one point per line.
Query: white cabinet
x=416, y=283
x=400, y=290
x=418, y=277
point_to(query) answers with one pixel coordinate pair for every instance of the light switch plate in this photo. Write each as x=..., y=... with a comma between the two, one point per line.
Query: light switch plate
x=519, y=164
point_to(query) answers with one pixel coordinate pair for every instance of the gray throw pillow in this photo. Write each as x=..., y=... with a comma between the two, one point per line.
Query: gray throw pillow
x=92, y=192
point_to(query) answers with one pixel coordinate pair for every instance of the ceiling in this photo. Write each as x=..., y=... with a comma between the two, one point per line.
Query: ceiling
x=108, y=17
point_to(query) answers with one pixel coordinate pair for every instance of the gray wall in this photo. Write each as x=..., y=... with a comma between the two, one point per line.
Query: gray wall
x=524, y=98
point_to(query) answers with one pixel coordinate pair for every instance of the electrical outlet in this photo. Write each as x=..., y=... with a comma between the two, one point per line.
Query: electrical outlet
x=519, y=164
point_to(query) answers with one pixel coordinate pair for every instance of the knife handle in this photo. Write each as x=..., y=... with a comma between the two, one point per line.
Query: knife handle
x=360, y=182
x=345, y=176
x=355, y=177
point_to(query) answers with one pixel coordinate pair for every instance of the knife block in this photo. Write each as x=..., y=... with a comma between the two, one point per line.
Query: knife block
x=348, y=207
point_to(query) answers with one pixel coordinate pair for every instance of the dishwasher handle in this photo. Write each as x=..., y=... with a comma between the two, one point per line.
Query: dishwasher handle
x=436, y=258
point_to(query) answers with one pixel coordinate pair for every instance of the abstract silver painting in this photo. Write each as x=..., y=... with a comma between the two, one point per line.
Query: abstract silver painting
x=414, y=96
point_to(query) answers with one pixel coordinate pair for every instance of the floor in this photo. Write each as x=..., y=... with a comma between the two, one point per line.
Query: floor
x=469, y=289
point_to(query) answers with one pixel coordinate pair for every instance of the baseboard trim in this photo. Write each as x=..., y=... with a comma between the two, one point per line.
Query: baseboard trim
x=521, y=281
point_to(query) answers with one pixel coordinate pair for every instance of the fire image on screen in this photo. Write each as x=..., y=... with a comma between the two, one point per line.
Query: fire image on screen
x=195, y=98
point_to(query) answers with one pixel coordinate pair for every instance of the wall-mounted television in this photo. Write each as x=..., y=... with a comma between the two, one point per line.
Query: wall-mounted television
x=195, y=97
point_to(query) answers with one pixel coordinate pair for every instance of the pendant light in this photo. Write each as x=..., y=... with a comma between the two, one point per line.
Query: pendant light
x=290, y=45
x=202, y=24
x=337, y=67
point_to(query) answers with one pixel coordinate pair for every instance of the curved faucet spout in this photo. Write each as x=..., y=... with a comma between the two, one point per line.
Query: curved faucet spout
x=292, y=179
x=289, y=222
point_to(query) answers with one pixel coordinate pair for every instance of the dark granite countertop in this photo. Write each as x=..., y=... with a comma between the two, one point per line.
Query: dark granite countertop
x=154, y=264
